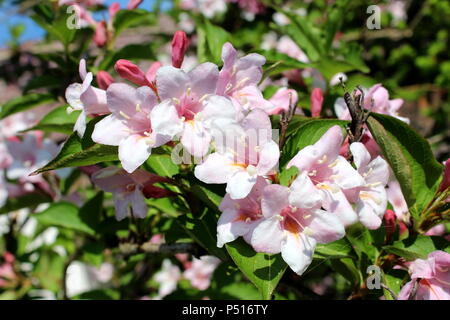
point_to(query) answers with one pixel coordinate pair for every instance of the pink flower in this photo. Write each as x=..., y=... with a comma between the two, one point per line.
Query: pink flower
x=5, y=156
x=390, y=222
x=293, y=224
x=113, y=9
x=252, y=6
x=201, y=271
x=437, y=230
x=445, y=184
x=151, y=72
x=371, y=198
x=240, y=217
x=129, y=125
x=239, y=77
x=287, y=46
x=126, y=189
x=92, y=101
x=329, y=173
x=180, y=44
x=247, y=156
x=128, y=70
x=101, y=34
x=189, y=106
x=433, y=278
x=133, y=4
x=316, y=102
x=396, y=198
x=7, y=273
x=168, y=278
x=104, y=79
x=282, y=100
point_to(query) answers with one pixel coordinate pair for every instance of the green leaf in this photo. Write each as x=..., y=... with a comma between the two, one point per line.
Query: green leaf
x=263, y=270
x=203, y=230
x=65, y=215
x=163, y=165
x=45, y=81
x=57, y=120
x=125, y=19
x=25, y=201
x=418, y=247
x=393, y=279
x=215, y=38
x=329, y=67
x=304, y=34
x=78, y=152
x=335, y=250
x=307, y=133
x=24, y=103
x=410, y=158
x=56, y=25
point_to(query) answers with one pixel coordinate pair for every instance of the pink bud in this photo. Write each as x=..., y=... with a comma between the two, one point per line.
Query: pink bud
x=151, y=72
x=128, y=70
x=446, y=180
x=403, y=230
x=151, y=191
x=133, y=4
x=316, y=102
x=100, y=36
x=104, y=79
x=113, y=9
x=390, y=224
x=180, y=45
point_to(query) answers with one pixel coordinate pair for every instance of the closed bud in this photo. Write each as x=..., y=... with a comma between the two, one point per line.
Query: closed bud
x=389, y=224
x=133, y=4
x=316, y=102
x=113, y=9
x=104, y=79
x=445, y=184
x=180, y=45
x=128, y=70
x=100, y=36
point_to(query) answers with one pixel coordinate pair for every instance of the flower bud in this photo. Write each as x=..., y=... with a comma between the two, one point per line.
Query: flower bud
x=389, y=224
x=113, y=9
x=445, y=184
x=100, y=36
x=151, y=191
x=180, y=45
x=316, y=102
x=133, y=4
x=104, y=79
x=128, y=70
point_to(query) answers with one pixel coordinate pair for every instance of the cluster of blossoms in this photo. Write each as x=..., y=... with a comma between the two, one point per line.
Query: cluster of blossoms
x=197, y=271
x=222, y=119
x=103, y=28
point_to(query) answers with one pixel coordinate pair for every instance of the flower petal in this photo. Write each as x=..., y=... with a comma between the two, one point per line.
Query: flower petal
x=303, y=193
x=275, y=198
x=134, y=151
x=110, y=131
x=297, y=251
x=267, y=236
x=240, y=184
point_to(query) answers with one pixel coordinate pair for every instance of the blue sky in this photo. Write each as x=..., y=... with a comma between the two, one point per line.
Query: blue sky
x=8, y=18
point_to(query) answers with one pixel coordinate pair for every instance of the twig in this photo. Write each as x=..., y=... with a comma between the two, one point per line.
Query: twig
x=286, y=117
x=148, y=247
x=391, y=292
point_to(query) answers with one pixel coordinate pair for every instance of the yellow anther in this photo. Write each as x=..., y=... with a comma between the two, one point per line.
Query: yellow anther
x=323, y=159
x=333, y=164
x=138, y=107
x=123, y=114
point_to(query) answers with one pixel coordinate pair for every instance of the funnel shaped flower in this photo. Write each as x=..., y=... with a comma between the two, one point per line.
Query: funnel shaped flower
x=240, y=217
x=239, y=77
x=90, y=100
x=126, y=189
x=189, y=106
x=128, y=70
x=201, y=270
x=433, y=278
x=250, y=153
x=396, y=198
x=330, y=173
x=292, y=230
x=371, y=198
x=129, y=124
x=167, y=277
x=282, y=100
